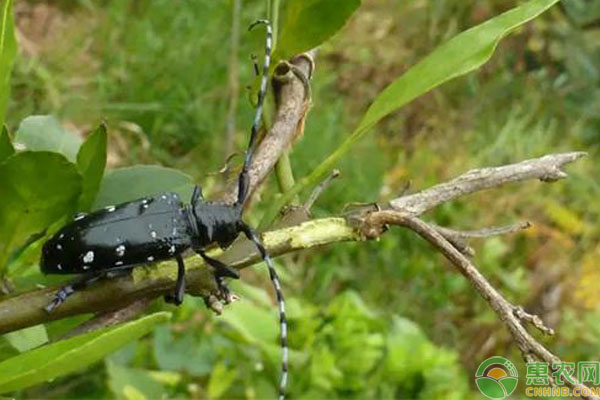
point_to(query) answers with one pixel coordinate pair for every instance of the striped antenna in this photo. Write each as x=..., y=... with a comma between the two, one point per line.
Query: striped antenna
x=253, y=237
x=243, y=182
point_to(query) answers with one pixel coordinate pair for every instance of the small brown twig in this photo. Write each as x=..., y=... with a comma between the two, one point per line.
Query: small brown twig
x=546, y=169
x=318, y=190
x=458, y=237
x=483, y=233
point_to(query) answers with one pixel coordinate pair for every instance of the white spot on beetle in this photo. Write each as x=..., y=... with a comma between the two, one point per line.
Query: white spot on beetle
x=58, y=247
x=110, y=208
x=153, y=234
x=151, y=258
x=145, y=206
x=88, y=258
x=119, y=263
x=62, y=235
x=59, y=267
x=164, y=197
x=86, y=267
x=172, y=250
x=79, y=216
x=120, y=250
x=145, y=201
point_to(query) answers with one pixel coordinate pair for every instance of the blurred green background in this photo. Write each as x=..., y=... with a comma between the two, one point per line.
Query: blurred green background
x=386, y=319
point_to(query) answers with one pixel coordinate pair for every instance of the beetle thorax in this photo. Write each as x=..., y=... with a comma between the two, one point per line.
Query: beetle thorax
x=216, y=223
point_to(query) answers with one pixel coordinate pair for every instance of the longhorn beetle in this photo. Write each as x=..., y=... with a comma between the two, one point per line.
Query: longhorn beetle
x=112, y=241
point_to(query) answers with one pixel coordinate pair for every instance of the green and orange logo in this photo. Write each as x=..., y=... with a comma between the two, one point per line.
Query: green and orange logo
x=496, y=378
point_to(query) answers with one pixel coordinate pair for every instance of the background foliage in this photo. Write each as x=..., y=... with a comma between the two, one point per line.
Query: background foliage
x=369, y=320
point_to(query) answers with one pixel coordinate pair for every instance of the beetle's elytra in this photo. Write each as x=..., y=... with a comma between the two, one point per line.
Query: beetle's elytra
x=116, y=239
x=138, y=232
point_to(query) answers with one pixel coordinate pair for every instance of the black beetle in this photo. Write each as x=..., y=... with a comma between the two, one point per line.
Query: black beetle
x=114, y=240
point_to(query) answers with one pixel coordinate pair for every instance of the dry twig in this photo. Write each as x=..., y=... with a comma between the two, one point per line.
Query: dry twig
x=320, y=188
x=514, y=317
x=546, y=169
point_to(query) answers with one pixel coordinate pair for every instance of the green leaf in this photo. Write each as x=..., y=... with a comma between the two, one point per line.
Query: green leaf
x=133, y=383
x=6, y=147
x=6, y=349
x=28, y=338
x=64, y=357
x=8, y=50
x=126, y=184
x=44, y=133
x=36, y=189
x=91, y=161
x=255, y=324
x=221, y=379
x=464, y=53
x=308, y=23
x=184, y=352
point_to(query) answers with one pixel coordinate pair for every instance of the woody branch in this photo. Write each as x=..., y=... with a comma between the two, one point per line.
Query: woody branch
x=404, y=212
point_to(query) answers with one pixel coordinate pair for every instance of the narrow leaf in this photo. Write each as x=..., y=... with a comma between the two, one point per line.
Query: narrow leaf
x=91, y=161
x=28, y=338
x=8, y=50
x=125, y=184
x=6, y=147
x=308, y=23
x=44, y=133
x=64, y=357
x=462, y=54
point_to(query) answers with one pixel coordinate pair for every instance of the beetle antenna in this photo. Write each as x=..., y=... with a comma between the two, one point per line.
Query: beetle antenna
x=253, y=237
x=244, y=178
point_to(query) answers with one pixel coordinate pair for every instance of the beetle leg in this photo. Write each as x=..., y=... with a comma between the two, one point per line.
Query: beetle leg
x=84, y=282
x=221, y=271
x=197, y=195
x=177, y=296
x=69, y=289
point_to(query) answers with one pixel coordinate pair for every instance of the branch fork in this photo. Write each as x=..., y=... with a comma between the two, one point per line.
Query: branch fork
x=404, y=211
